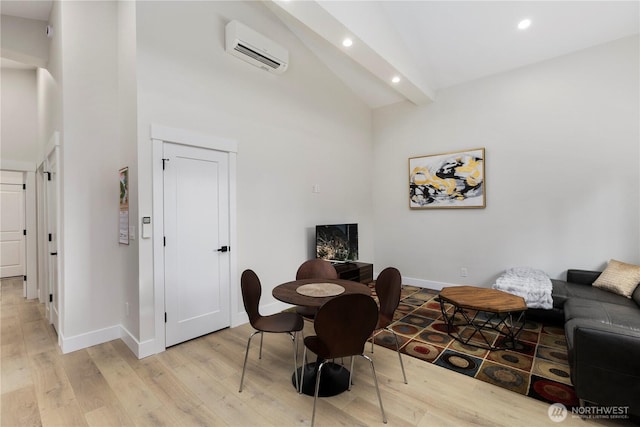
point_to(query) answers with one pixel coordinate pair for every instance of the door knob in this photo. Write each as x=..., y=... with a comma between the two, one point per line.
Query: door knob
x=223, y=249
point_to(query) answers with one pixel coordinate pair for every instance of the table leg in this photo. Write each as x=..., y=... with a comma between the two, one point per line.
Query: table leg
x=334, y=380
x=492, y=321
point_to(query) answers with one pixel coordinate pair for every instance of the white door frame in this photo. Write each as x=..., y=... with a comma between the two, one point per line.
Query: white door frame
x=43, y=269
x=55, y=318
x=52, y=151
x=159, y=135
x=31, y=247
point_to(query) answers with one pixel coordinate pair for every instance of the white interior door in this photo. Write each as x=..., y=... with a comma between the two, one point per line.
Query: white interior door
x=12, y=240
x=43, y=254
x=52, y=212
x=196, y=227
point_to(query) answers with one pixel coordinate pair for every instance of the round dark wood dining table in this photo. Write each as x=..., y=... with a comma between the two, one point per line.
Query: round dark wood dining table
x=335, y=377
x=288, y=292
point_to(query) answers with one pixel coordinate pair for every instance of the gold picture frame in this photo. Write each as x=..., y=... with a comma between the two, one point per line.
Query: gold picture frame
x=448, y=180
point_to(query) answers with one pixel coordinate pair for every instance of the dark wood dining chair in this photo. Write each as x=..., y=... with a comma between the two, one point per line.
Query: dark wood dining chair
x=388, y=289
x=343, y=325
x=317, y=268
x=284, y=322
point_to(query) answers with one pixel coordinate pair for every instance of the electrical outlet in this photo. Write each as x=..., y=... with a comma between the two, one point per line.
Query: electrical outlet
x=464, y=272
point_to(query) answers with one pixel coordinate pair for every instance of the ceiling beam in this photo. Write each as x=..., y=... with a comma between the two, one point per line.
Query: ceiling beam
x=377, y=48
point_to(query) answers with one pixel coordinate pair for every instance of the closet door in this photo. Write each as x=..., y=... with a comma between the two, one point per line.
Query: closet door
x=12, y=228
x=196, y=230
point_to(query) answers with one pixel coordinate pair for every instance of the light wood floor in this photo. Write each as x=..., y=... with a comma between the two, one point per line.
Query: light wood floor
x=196, y=383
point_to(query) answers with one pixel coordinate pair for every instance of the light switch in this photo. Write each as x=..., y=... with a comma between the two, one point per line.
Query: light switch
x=146, y=227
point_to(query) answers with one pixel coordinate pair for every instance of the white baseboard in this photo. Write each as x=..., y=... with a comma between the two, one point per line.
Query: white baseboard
x=150, y=347
x=147, y=348
x=428, y=284
x=78, y=342
x=140, y=349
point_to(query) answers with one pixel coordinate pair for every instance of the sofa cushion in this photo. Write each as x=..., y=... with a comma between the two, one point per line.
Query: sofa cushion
x=619, y=277
x=624, y=315
x=562, y=291
x=636, y=295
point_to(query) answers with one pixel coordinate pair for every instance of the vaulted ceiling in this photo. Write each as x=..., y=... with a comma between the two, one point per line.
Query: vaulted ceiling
x=431, y=45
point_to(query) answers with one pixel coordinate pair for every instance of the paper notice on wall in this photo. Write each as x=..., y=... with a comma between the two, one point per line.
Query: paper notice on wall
x=124, y=206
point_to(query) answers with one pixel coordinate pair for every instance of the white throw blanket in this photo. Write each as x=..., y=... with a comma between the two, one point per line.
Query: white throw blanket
x=531, y=284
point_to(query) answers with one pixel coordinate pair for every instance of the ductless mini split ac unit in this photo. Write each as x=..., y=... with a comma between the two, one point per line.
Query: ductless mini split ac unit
x=256, y=49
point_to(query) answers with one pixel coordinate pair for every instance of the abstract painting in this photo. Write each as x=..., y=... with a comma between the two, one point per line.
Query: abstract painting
x=449, y=180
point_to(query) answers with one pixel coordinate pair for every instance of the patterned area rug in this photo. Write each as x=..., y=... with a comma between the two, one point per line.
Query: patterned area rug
x=537, y=367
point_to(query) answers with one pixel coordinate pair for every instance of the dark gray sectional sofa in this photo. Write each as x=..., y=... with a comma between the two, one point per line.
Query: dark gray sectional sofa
x=603, y=338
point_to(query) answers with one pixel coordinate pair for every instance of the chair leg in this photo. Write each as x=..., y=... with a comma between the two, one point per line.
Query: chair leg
x=375, y=381
x=246, y=355
x=295, y=358
x=399, y=354
x=261, y=336
x=315, y=396
x=351, y=372
x=304, y=358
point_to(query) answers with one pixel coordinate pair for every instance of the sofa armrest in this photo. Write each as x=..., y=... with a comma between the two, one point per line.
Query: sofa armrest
x=605, y=362
x=583, y=277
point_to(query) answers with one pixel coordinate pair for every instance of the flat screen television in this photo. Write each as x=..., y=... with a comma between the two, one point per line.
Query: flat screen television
x=337, y=242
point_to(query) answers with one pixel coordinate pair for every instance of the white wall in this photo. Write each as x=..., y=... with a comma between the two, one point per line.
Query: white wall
x=96, y=267
x=127, y=117
x=19, y=115
x=50, y=87
x=293, y=130
x=24, y=40
x=562, y=176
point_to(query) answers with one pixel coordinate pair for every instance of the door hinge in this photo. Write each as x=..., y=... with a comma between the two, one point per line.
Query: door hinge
x=50, y=297
x=164, y=241
x=163, y=162
x=50, y=237
x=24, y=232
x=24, y=186
x=25, y=278
x=48, y=176
x=165, y=317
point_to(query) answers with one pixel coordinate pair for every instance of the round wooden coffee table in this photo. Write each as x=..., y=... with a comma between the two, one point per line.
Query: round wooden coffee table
x=483, y=310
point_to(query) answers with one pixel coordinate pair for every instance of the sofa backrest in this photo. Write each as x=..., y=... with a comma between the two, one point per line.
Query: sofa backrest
x=636, y=295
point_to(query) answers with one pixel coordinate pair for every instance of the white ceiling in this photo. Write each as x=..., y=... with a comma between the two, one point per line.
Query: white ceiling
x=436, y=44
x=15, y=65
x=431, y=44
x=31, y=9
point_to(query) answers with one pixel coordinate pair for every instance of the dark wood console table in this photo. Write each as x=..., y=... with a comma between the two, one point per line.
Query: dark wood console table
x=355, y=271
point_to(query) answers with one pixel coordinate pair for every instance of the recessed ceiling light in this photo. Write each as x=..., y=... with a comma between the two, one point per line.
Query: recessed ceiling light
x=347, y=42
x=524, y=24
x=395, y=79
